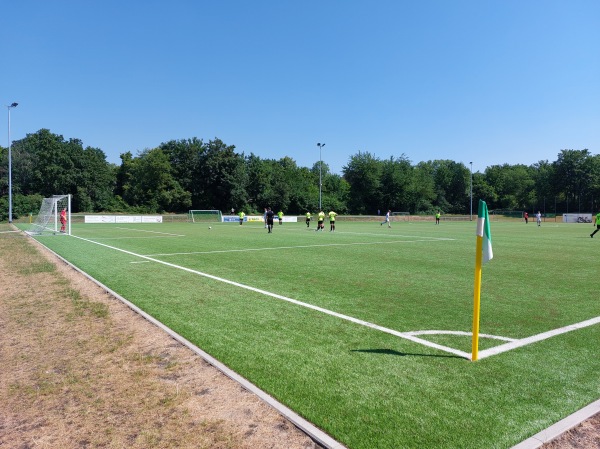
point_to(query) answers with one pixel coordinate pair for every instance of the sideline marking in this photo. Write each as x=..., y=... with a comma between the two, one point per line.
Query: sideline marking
x=535, y=338
x=219, y=251
x=405, y=335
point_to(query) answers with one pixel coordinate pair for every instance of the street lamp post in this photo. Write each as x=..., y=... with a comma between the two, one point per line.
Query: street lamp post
x=471, y=189
x=320, y=145
x=13, y=105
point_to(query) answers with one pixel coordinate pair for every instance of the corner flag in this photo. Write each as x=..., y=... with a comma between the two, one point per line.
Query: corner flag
x=483, y=231
x=483, y=253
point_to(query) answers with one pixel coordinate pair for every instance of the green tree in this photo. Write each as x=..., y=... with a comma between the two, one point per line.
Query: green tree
x=513, y=185
x=151, y=186
x=46, y=164
x=573, y=177
x=222, y=177
x=363, y=173
x=421, y=191
x=396, y=178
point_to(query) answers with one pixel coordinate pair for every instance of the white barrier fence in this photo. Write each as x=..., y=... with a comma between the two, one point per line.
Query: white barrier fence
x=123, y=219
x=577, y=218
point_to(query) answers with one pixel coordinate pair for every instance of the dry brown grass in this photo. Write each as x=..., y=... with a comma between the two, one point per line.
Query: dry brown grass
x=81, y=370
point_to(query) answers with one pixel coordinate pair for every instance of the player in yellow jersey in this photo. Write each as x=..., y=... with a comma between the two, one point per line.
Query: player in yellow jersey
x=321, y=217
x=597, y=225
x=308, y=219
x=332, y=215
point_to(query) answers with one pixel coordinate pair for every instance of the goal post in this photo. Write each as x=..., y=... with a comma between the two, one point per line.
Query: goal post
x=54, y=216
x=205, y=216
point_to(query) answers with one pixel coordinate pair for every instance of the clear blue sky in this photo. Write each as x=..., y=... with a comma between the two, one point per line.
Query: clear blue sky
x=487, y=81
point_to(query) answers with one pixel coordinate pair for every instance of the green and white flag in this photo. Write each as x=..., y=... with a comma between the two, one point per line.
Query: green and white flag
x=483, y=231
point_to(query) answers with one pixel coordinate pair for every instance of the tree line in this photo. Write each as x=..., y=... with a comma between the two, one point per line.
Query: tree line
x=192, y=174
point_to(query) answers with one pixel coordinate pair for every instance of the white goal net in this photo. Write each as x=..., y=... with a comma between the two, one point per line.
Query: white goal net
x=205, y=216
x=54, y=216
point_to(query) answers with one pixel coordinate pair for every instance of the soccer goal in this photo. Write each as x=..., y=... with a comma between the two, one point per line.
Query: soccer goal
x=401, y=216
x=54, y=216
x=205, y=216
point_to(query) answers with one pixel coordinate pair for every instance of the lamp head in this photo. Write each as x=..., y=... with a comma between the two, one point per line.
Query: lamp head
x=14, y=105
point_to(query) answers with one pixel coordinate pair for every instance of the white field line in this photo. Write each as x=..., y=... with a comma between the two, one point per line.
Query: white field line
x=393, y=235
x=145, y=237
x=151, y=232
x=535, y=338
x=405, y=335
x=220, y=251
x=460, y=333
x=6, y=232
x=293, y=301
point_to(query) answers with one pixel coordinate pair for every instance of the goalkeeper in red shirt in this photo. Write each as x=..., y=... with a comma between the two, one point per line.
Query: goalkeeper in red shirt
x=63, y=220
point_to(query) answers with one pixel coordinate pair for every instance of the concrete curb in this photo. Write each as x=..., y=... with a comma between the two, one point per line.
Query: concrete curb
x=560, y=427
x=311, y=430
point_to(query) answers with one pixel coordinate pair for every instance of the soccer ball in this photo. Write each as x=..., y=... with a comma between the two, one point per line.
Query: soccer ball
x=210, y=227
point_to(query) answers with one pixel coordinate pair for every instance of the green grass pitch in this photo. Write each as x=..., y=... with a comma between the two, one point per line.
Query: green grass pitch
x=278, y=310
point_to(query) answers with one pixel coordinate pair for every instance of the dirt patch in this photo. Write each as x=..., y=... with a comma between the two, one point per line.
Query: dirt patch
x=584, y=436
x=81, y=370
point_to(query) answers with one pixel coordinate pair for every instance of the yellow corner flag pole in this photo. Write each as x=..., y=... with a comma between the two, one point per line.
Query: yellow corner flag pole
x=476, y=299
x=483, y=253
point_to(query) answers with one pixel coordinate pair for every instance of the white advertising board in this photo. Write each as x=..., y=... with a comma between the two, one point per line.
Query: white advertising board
x=122, y=219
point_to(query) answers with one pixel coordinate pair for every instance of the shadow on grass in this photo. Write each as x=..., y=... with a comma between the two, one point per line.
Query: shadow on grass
x=405, y=354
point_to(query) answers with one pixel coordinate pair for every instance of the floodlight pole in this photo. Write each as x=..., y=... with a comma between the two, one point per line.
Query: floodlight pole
x=320, y=145
x=13, y=105
x=471, y=190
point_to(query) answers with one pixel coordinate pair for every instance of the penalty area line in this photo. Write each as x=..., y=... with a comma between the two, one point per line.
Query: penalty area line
x=320, y=245
x=150, y=232
x=402, y=335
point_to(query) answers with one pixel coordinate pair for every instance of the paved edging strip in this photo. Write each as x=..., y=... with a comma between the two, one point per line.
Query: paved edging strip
x=560, y=427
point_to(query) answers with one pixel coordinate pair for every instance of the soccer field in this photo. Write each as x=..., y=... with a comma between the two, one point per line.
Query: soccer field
x=366, y=331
